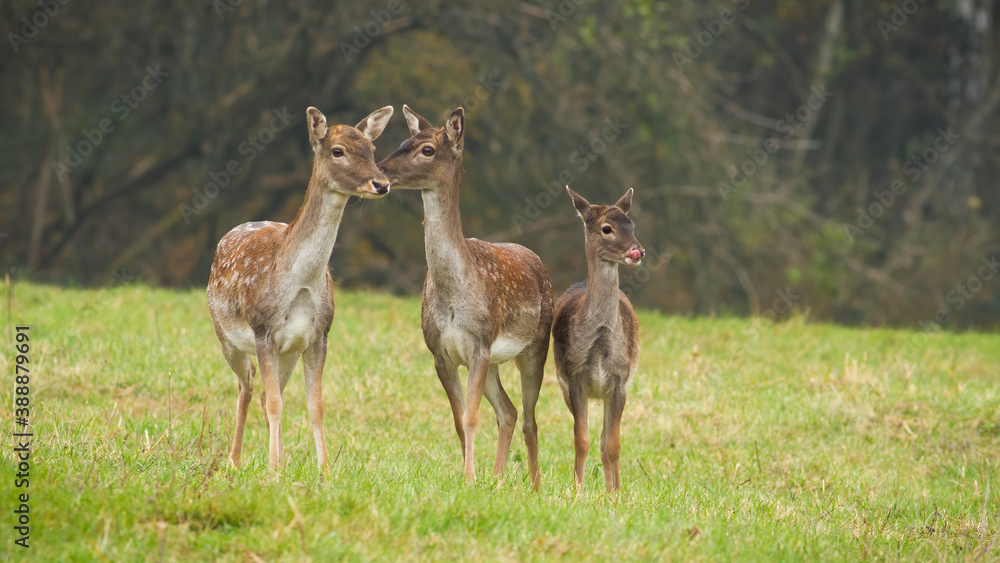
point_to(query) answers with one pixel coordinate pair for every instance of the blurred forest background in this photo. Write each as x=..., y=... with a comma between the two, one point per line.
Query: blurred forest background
x=840, y=156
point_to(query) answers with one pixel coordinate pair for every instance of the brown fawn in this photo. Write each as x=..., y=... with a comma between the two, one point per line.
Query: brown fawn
x=595, y=333
x=270, y=292
x=483, y=304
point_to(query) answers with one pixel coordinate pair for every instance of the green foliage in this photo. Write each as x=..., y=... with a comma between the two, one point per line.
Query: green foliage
x=743, y=440
x=421, y=69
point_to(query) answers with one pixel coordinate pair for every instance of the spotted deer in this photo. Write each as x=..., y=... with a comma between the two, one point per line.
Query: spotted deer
x=595, y=333
x=483, y=304
x=270, y=292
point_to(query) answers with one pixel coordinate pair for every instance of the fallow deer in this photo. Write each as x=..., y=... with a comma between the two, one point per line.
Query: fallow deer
x=270, y=292
x=483, y=304
x=595, y=333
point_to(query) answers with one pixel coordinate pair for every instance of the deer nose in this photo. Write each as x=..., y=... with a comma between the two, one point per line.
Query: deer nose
x=380, y=188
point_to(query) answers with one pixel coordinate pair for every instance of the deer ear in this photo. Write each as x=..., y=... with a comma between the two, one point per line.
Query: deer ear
x=454, y=128
x=415, y=122
x=582, y=206
x=625, y=202
x=373, y=125
x=316, y=122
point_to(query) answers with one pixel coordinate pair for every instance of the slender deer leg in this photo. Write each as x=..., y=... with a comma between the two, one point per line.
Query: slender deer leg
x=244, y=370
x=448, y=374
x=268, y=362
x=312, y=364
x=286, y=365
x=478, y=372
x=581, y=438
x=532, y=365
x=263, y=401
x=611, y=441
x=506, y=417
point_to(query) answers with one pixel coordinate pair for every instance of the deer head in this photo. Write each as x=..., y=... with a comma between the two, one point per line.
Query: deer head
x=345, y=155
x=609, y=234
x=431, y=157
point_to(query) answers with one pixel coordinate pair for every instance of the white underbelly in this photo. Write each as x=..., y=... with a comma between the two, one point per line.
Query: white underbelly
x=506, y=348
x=242, y=337
x=458, y=345
x=596, y=385
x=296, y=334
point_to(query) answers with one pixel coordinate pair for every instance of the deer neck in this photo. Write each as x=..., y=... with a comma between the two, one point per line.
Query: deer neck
x=449, y=262
x=600, y=301
x=313, y=232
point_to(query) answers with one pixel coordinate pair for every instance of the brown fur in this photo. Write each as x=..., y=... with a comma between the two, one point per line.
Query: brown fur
x=483, y=304
x=595, y=334
x=270, y=293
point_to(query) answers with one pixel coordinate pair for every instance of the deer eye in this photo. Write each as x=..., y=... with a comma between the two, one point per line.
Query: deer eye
x=338, y=152
x=606, y=229
x=428, y=150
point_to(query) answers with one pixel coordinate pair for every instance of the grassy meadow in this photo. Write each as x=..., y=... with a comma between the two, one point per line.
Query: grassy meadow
x=742, y=440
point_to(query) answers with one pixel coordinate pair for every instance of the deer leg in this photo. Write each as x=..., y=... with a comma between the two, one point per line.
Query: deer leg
x=532, y=366
x=267, y=359
x=286, y=365
x=241, y=365
x=263, y=403
x=448, y=374
x=479, y=369
x=611, y=442
x=581, y=438
x=506, y=417
x=312, y=364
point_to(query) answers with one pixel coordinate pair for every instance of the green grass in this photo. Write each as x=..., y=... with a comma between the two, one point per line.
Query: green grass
x=788, y=441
